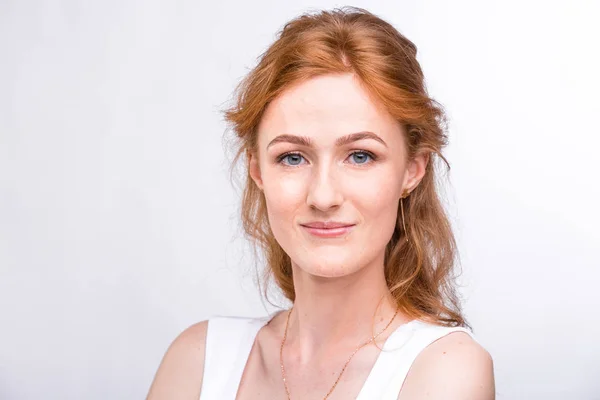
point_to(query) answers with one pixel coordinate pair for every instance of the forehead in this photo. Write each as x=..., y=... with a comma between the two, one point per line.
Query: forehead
x=326, y=106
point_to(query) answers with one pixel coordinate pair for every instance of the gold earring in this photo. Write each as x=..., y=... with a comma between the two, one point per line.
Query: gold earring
x=404, y=195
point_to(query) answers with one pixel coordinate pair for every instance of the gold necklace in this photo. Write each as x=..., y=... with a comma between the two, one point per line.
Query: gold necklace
x=287, y=390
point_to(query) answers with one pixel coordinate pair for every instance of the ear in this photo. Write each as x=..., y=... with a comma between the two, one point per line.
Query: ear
x=415, y=171
x=254, y=168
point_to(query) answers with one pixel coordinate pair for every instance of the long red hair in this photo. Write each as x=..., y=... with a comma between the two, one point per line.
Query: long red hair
x=420, y=271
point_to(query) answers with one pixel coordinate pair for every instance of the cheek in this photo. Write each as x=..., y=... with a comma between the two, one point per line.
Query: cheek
x=284, y=196
x=379, y=204
x=283, y=190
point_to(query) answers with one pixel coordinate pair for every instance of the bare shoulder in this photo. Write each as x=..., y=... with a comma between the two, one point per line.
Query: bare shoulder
x=451, y=368
x=179, y=375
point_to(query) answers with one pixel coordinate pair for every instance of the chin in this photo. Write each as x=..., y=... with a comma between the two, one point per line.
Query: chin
x=328, y=267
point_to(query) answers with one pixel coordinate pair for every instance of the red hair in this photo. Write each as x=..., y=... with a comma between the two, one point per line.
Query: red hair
x=419, y=272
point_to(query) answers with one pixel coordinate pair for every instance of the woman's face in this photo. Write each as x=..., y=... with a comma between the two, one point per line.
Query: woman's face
x=327, y=152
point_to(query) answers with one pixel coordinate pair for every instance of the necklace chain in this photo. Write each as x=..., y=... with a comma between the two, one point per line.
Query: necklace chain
x=283, y=376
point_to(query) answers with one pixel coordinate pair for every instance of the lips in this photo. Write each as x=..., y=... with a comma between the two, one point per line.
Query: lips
x=327, y=224
x=328, y=229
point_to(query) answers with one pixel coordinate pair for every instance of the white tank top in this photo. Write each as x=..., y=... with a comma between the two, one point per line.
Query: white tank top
x=230, y=339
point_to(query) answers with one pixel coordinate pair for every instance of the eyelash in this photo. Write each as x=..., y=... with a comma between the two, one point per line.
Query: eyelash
x=283, y=156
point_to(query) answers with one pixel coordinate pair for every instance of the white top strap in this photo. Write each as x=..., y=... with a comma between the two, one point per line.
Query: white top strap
x=229, y=341
x=419, y=335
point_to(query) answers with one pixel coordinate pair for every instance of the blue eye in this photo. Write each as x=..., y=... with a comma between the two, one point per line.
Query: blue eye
x=363, y=155
x=291, y=156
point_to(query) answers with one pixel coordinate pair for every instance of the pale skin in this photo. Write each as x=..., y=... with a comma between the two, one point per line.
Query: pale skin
x=341, y=293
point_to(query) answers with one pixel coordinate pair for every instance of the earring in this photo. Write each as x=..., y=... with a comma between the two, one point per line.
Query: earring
x=404, y=195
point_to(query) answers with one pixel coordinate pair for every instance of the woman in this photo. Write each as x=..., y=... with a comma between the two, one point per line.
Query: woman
x=340, y=139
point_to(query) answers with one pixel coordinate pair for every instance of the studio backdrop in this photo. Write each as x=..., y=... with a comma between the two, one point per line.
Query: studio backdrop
x=119, y=224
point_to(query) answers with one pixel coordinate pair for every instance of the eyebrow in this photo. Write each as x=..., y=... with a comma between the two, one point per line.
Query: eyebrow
x=307, y=142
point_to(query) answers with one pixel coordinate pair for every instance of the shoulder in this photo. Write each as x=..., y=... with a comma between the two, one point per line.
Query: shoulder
x=454, y=366
x=179, y=375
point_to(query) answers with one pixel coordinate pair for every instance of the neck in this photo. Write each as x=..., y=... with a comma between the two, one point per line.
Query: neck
x=341, y=311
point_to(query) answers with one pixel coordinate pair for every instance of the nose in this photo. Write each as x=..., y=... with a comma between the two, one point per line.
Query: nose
x=323, y=192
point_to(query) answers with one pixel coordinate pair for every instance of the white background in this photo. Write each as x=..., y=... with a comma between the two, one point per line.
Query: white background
x=119, y=227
